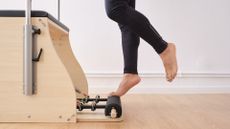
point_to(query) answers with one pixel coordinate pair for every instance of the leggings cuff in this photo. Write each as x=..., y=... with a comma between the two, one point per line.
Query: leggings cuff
x=163, y=46
x=131, y=72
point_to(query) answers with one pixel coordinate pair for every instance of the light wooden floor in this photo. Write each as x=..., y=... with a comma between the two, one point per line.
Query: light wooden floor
x=158, y=112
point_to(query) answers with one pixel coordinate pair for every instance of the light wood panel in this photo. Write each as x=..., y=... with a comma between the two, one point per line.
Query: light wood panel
x=62, y=46
x=55, y=98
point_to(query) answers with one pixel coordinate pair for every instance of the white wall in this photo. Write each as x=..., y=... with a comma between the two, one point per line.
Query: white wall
x=200, y=29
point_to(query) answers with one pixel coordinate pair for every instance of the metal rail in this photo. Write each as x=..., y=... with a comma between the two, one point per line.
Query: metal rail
x=27, y=52
x=59, y=10
x=28, y=70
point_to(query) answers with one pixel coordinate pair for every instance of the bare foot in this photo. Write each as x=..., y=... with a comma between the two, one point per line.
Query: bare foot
x=168, y=57
x=128, y=81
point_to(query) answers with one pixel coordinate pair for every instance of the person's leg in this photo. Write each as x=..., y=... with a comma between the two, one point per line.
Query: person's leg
x=122, y=13
x=130, y=44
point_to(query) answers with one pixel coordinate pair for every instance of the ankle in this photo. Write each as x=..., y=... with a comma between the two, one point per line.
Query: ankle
x=168, y=50
x=130, y=75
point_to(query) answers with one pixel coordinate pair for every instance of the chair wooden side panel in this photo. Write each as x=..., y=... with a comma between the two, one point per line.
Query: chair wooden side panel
x=62, y=46
x=55, y=99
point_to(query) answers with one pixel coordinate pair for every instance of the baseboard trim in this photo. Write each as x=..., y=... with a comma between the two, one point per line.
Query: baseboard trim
x=156, y=83
x=174, y=90
x=179, y=75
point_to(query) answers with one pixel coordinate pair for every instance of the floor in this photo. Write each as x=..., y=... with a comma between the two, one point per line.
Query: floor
x=190, y=111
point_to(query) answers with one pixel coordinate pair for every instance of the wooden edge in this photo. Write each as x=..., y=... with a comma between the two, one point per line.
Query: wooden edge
x=72, y=66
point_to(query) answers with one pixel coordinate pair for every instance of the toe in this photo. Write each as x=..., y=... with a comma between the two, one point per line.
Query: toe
x=169, y=77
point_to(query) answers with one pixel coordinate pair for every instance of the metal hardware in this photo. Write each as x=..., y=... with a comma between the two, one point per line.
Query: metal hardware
x=36, y=59
x=28, y=59
x=27, y=52
x=59, y=10
x=36, y=30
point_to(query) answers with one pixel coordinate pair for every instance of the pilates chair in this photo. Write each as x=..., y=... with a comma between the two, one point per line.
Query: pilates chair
x=40, y=79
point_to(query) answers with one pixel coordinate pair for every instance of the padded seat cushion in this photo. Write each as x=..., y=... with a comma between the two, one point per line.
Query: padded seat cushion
x=21, y=13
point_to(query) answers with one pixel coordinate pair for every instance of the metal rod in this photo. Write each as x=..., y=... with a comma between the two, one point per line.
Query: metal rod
x=92, y=99
x=28, y=11
x=59, y=10
x=27, y=52
x=90, y=107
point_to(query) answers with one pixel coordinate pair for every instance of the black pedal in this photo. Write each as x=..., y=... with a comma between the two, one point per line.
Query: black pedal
x=113, y=104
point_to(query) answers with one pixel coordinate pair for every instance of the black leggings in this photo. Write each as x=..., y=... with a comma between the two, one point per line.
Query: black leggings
x=133, y=25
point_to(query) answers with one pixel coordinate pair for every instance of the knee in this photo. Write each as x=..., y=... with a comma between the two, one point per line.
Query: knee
x=116, y=14
x=112, y=14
